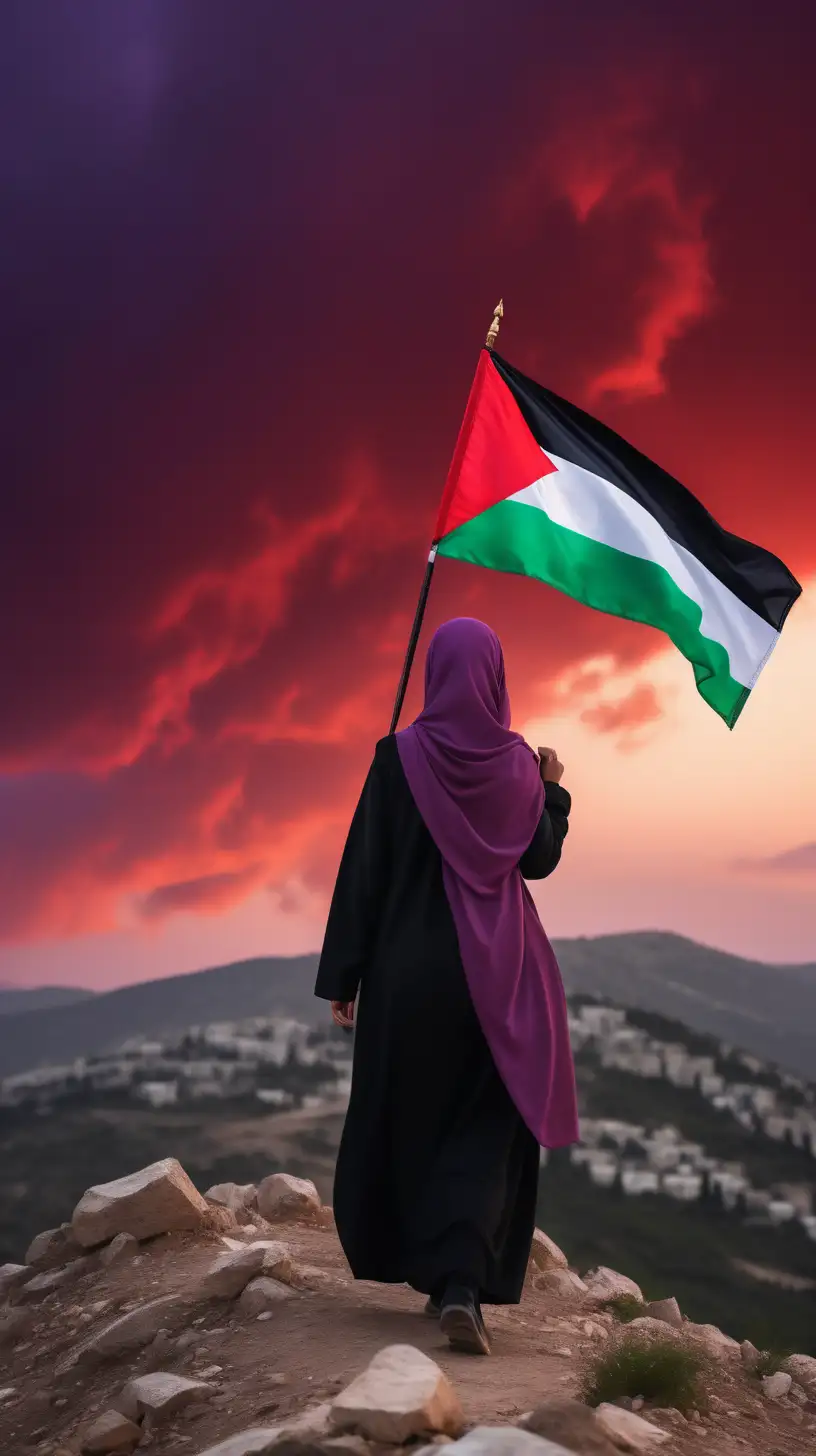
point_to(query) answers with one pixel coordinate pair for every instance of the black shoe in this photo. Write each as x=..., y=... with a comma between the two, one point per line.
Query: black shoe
x=461, y=1320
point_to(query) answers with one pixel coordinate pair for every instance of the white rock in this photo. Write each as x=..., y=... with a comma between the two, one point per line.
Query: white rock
x=210, y=1372
x=237, y=1197
x=53, y=1248
x=160, y=1394
x=505, y=1441
x=400, y=1395
x=130, y=1331
x=281, y=1197
x=158, y=1199
x=42, y=1285
x=665, y=1310
x=629, y=1431
x=111, y=1432
x=545, y=1254
x=558, y=1281
x=719, y=1346
x=261, y=1293
x=798, y=1395
x=749, y=1354
x=230, y=1273
x=777, y=1386
x=803, y=1370
x=11, y=1277
x=7, y=1392
x=278, y=1260
x=604, y=1284
x=256, y=1442
x=124, y=1246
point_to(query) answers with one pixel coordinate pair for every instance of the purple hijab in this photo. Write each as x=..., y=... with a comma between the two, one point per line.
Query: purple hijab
x=478, y=789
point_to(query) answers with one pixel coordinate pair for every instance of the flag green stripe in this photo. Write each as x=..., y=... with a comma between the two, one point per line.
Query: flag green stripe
x=517, y=538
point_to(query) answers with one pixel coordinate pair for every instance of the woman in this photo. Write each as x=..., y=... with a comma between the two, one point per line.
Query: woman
x=462, y=1065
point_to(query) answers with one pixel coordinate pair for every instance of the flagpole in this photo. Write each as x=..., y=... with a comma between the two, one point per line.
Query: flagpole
x=492, y=335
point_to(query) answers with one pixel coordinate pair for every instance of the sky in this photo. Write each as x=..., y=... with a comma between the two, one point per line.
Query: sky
x=248, y=256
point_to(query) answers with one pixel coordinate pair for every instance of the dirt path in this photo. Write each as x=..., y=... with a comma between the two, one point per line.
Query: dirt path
x=314, y=1344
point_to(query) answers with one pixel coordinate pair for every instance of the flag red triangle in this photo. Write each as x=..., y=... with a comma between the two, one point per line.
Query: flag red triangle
x=496, y=455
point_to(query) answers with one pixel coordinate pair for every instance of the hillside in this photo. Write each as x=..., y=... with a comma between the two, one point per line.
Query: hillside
x=729, y=1265
x=268, y=986
x=767, y=1010
x=14, y=1000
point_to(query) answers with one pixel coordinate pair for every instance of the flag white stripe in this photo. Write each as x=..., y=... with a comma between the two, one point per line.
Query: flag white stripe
x=584, y=502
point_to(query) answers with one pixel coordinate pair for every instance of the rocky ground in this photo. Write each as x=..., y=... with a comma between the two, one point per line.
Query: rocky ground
x=164, y=1322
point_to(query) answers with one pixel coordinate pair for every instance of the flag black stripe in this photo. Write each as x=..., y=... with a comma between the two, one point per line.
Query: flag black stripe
x=757, y=577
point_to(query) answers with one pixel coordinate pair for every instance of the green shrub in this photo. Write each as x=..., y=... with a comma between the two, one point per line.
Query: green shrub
x=770, y=1362
x=624, y=1307
x=665, y=1372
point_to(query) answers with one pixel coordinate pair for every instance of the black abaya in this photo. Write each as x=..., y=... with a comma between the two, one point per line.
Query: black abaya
x=437, y=1174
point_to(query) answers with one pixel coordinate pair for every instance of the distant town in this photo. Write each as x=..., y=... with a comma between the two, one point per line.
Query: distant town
x=279, y=1064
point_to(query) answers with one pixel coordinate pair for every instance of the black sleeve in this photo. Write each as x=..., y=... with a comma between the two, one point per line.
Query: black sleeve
x=541, y=858
x=358, y=895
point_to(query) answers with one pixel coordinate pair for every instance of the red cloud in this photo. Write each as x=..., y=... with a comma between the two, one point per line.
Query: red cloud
x=209, y=894
x=798, y=861
x=607, y=159
x=226, y=445
x=637, y=707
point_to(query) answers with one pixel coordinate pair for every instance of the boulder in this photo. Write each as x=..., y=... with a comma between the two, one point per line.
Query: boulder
x=282, y=1197
x=158, y=1199
x=544, y=1254
x=665, y=1310
x=505, y=1441
x=124, y=1246
x=278, y=1261
x=110, y=1432
x=776, y=1386
x=629, y=1431
x=803, y=1370
x=570, y=1423
x=42, y=1285
x=11, y=1277
x=719, y=1346
x=307, y=1432
x=160, y=1395
x=130, y=1331
x=402, y=1394
x=53, y=1248
x=230, y=1273
x=559, y=1281
x=749, y=1355
x=261, y=1294
x=605, y=1284
x=237, y=1197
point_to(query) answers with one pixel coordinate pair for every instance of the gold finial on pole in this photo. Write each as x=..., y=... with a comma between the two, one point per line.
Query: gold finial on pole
x=493, y=331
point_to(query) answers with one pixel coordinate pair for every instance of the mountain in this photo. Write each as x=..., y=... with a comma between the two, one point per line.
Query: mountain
x=14, y=1000
x=268, y=986
x=767, y=1010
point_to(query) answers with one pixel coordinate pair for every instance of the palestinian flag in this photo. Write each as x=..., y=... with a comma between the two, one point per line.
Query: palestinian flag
x=539, y=488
